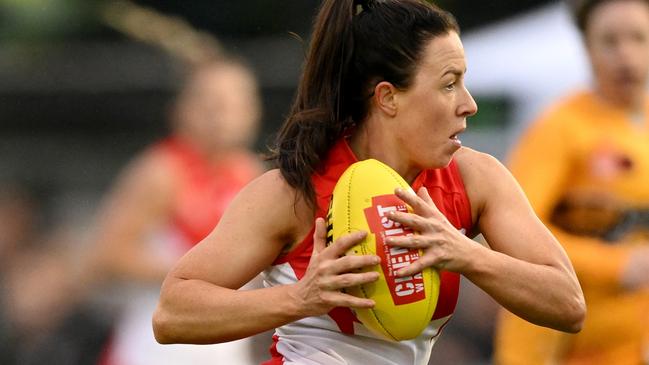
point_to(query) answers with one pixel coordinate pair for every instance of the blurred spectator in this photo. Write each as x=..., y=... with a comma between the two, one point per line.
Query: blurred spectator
x=39, y=286
x=585, y=168
x=169, y=198
x=18, y=213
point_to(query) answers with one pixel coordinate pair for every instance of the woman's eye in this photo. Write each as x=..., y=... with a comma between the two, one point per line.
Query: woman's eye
x=450, y=86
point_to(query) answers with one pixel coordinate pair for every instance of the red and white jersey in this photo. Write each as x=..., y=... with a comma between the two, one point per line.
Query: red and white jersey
x=206, y=188
x=338, y=337
x=203, y=193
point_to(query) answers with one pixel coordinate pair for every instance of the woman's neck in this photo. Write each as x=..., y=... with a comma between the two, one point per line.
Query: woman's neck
x=377, y=143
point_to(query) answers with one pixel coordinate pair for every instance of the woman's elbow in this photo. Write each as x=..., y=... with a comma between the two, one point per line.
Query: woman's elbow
x=575, y=315
x=162, y=327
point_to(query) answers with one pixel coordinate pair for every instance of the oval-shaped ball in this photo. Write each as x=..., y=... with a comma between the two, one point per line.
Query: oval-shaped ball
x=361, y=199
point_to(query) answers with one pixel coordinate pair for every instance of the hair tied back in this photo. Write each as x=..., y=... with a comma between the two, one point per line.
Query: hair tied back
x=364, y=5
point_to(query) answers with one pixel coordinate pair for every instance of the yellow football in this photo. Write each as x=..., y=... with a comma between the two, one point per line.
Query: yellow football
x=361, y=199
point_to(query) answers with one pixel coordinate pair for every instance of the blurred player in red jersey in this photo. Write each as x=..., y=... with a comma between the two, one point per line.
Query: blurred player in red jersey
x=169, y=198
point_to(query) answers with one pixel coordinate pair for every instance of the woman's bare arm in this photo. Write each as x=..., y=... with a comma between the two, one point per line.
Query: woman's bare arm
x=526, y=270
x=200, y=302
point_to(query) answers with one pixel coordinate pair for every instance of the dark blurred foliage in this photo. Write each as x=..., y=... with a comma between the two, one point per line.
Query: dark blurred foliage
x=77, y=19
x=261, y=17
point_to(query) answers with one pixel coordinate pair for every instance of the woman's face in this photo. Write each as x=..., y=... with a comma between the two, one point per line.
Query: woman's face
x=617, y=38
x=433, y=110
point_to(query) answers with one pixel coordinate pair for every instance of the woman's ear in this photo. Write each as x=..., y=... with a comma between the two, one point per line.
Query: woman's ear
x=385, y=98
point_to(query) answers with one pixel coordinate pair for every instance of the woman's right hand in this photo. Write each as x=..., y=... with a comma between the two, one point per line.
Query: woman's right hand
x=330, y=271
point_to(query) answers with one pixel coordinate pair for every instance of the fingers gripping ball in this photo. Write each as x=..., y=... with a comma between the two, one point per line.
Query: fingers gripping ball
x=362, y=197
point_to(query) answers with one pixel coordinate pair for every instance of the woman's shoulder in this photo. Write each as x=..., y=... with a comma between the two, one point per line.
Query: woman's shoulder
x=474, y=163
x=483, y=176
x=270, y=187
x=271, y=198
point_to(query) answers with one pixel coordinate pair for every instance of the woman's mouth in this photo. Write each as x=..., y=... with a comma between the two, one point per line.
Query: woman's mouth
x=455, y=139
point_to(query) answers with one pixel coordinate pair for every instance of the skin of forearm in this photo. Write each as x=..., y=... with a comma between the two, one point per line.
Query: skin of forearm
x=541, y=294
x=215, y=314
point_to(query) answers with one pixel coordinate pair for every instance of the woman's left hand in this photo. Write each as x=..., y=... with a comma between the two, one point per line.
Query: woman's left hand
x=443, y=245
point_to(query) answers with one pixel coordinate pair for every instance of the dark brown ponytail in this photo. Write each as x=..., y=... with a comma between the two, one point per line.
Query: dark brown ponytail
x=355, y=44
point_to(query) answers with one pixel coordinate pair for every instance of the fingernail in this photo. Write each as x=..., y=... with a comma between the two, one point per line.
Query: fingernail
x=376, y=260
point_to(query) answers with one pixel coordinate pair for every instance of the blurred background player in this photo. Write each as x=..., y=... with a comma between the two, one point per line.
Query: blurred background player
x=585, y=168
x=175, y=191
x=170, y=197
